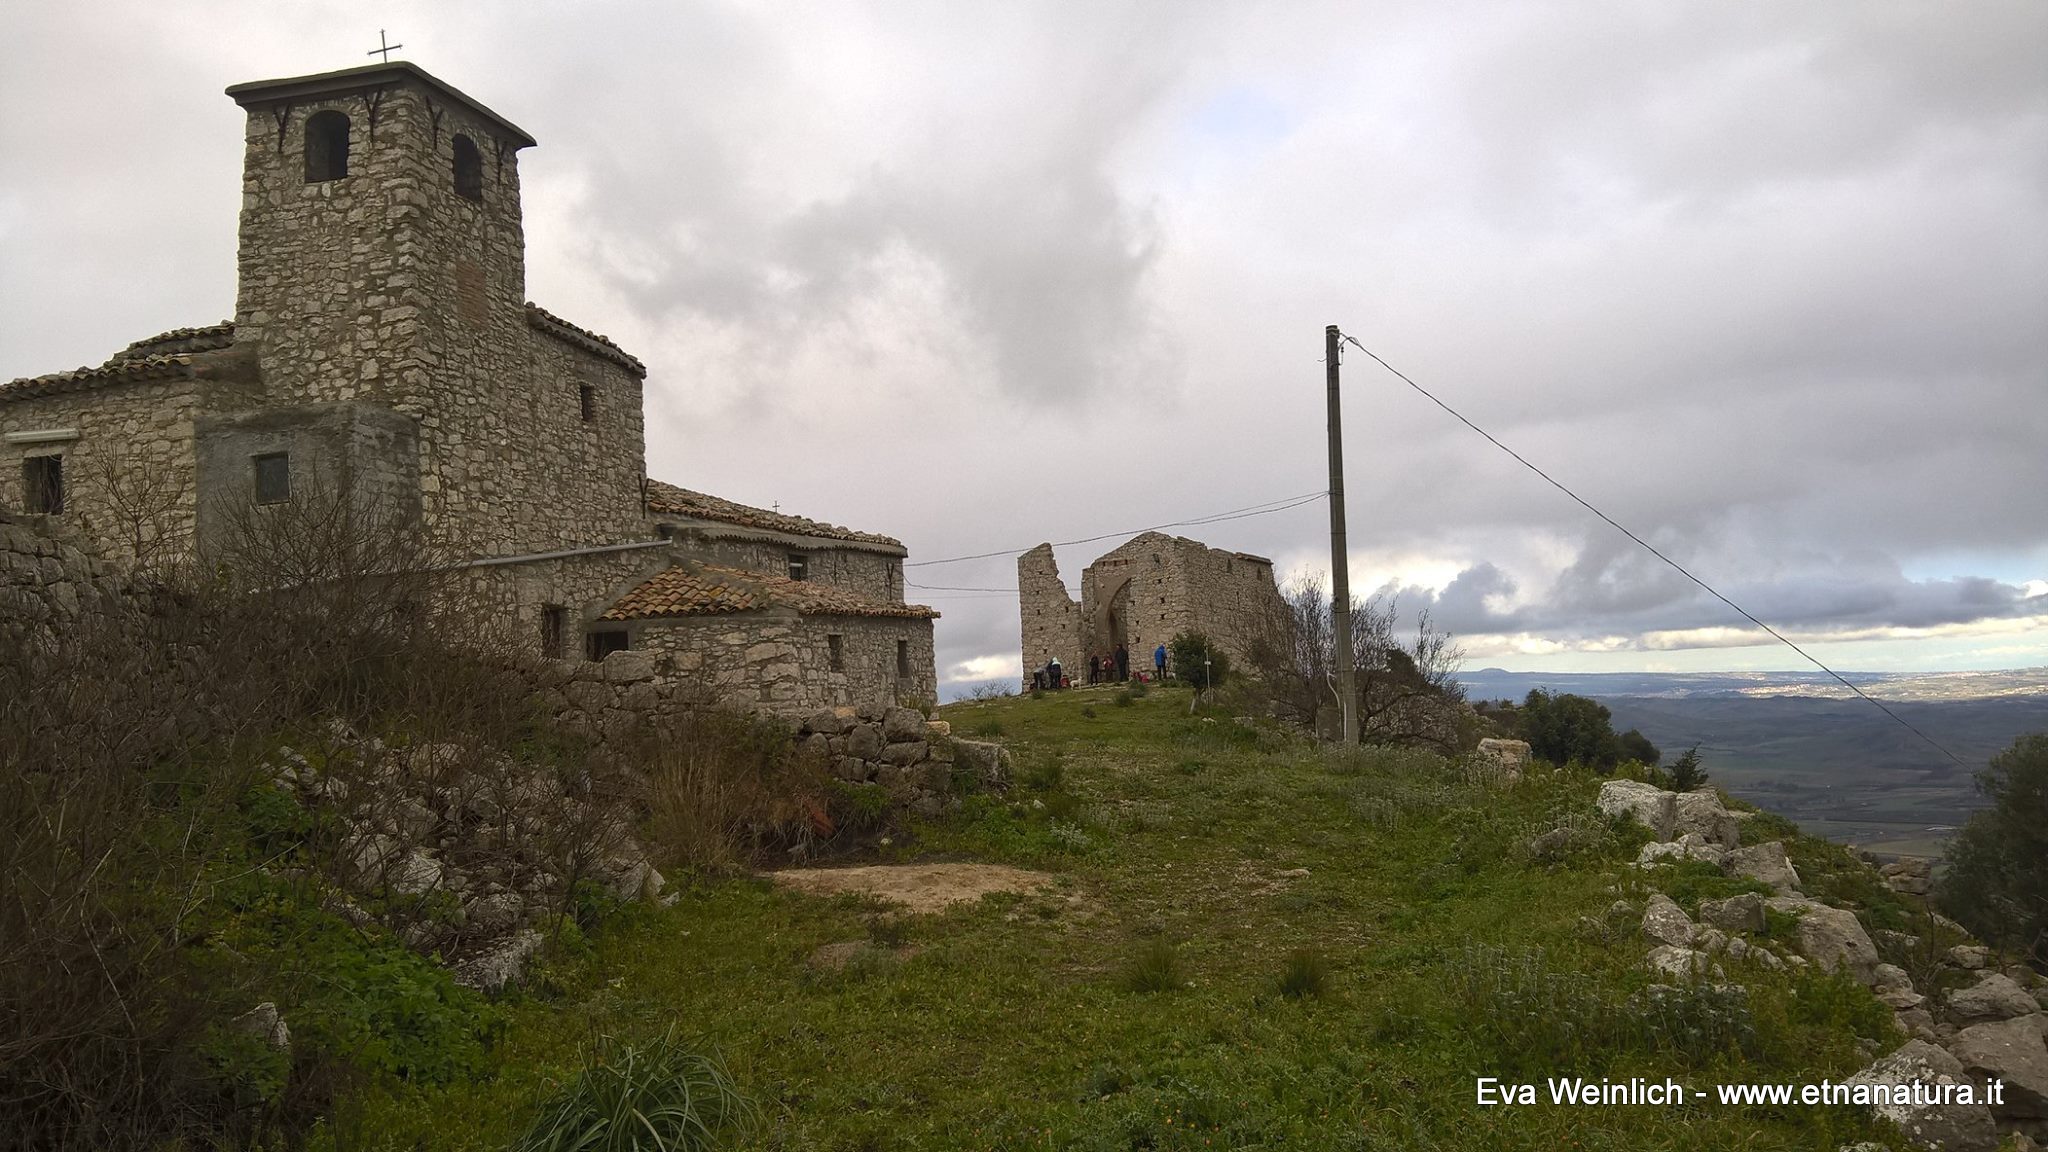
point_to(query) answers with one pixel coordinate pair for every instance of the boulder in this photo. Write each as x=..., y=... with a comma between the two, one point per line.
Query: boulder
x=1665, y=922
x=906, y=753
x=2011, y=1051
x=864, y=742
x=1676, y=962
x=1831, y=937
x=1703, y=813
x=500, y=965
x=264, y=1024
x=1948, y=1127
x=494, y=913
x=1736, y=914
x=830, y=721
x=939, y=729
x=1509, y=758
x=1767, y=863
x=414, y=874
x=1648, y=804
x=1995, y=997
x=1691, y=846
x=990, y=763
x=900, y=724
x=1969, y=956
x=628, y=667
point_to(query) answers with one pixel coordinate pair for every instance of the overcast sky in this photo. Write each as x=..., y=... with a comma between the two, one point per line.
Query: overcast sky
x=1767, y=282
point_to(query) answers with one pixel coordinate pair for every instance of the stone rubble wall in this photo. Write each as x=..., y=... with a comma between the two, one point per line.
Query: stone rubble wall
x=49, y=583
x=1051, y=618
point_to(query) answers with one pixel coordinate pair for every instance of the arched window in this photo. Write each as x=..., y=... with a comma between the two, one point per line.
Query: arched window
x=326, y=146
x=469, y=169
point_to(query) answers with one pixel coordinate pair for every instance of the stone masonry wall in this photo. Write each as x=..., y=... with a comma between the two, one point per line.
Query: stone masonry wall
x=388, y=286
x=1051, y=619
x=1143, y=592
x=129, y=483
x=782, y=663
x=872, y=574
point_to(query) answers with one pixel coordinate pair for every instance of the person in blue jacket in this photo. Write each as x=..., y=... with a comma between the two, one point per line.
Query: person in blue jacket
x=1159, y=661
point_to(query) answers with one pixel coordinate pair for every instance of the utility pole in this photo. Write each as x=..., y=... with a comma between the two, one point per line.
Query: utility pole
x=1340, y=568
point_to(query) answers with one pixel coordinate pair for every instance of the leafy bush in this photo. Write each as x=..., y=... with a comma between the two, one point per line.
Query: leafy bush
x=1156, y=968
x=1636, y=746
x=1566, y=728
x=1196, y=660
x=662, y=1096
x=1997, y=879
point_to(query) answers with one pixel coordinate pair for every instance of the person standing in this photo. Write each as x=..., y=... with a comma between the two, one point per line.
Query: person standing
x=1123, y=663
x=1159, y=662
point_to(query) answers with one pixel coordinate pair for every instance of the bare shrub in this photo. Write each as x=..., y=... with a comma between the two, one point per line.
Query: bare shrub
x=724, y=791
x=1407, y=692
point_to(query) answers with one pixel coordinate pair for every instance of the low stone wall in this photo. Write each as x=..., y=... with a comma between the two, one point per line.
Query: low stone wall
x=48, y=583
x=917, y=762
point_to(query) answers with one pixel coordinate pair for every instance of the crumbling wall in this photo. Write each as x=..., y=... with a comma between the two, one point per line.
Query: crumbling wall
x=1051, y=619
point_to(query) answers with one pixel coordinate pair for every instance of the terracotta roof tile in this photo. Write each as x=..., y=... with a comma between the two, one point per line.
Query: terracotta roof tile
x=710, y=590
x=545, y=321
x=669, y=500
x=165, y=356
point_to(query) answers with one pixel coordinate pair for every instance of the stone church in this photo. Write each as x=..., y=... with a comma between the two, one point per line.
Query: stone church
x=1139, y=595
x=383, y=346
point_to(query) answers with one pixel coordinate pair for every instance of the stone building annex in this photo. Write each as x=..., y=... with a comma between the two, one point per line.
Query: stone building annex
x=1139, y=595
x=383, y=347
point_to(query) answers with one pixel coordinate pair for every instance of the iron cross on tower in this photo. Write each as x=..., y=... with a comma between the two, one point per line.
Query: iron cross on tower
x=385, y=49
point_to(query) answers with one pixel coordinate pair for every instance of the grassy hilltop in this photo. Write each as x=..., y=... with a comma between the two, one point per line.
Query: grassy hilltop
x=1249, y=942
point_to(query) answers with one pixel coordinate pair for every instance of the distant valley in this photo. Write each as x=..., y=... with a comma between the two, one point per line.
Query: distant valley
x=1802, y=745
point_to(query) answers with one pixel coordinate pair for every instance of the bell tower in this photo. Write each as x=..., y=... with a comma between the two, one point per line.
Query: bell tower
x=382, y=260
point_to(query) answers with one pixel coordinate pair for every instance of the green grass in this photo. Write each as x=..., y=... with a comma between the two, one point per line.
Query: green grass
x=1441, y=952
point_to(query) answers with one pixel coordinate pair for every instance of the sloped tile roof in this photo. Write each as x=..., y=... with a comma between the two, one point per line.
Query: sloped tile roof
x=710, y=590
x=542, y=320
x=165, y=357
x=667, y=499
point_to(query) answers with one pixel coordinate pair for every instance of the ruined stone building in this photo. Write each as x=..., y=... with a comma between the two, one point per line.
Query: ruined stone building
x=1140, y=595
x=382, y=346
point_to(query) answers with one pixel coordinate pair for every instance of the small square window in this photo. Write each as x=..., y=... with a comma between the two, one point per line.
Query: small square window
x=799, y=566
x=598, y=645
x=835, y=646
x=273, y=477
x=42, y=485
x=552, y=621
x=903, y=659
x=586, y=396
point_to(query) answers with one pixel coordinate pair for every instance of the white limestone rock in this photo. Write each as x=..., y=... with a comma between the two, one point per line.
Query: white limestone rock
x=1831, y=937
x=2011, y=1051
x=1703, y=813
x=1736, y=915
x=1945, y=1127
x=1995, y=997
x=1691, y=846
x=1665, y=922
x=1648, y=804
x=503, y=964
x=1767, y=863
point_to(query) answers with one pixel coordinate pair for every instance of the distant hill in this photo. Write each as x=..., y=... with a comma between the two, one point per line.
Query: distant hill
x=1800, y=744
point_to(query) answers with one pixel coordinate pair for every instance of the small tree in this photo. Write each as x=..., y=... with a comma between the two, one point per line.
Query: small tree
x=1636, y=746
x=1196, y=660
x=1687, y=773
x=1997, y=879
x=1564, y=728
x=1407, y=692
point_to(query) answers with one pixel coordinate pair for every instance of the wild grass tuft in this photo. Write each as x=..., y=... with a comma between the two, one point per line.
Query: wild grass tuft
x=660, y=1096
x=1304, y=974
x=1156, y=968
x=987, y=729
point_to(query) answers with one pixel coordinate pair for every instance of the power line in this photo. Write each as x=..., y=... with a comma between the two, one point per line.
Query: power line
x=1268, y=508
x=1679, y=568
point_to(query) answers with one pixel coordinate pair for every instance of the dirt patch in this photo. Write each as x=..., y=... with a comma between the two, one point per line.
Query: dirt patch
x=917, y=887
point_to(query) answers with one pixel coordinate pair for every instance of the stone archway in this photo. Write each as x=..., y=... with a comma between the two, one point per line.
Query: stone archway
x=1111, y=624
